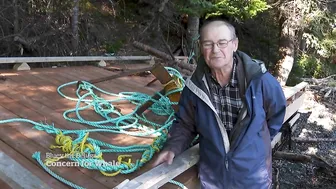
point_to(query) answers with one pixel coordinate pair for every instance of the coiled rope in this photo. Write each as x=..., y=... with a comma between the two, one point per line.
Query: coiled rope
x=118, y=123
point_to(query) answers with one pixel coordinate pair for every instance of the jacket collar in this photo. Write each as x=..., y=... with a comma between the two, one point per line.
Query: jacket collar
x=247, y=69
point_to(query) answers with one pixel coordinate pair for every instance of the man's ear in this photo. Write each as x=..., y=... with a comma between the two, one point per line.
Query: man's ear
x=235, y=44
x=200, y=47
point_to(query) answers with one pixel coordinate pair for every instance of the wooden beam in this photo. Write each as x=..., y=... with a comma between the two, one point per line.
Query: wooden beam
x=163, y=173
x=13, y=60
x=164, y=77
x=164, y=56
x=122, y=74
x=147, y=104
x=278, y=137
x=293, y=107
x=17, y=176
x=290, y=91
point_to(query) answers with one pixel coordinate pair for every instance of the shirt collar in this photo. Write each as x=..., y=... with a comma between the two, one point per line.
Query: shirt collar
x=233, y=81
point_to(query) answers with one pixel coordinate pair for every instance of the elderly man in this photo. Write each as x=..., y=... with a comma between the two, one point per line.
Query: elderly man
x=235, y=106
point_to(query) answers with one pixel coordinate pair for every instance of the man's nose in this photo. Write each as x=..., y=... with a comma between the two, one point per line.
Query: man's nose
x=215, y=47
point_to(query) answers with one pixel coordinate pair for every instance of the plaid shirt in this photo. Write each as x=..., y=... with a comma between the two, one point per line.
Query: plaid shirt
x=226, y=99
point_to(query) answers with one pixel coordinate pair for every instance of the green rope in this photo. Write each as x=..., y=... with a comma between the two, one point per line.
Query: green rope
x=193, y=45
x=113, y=122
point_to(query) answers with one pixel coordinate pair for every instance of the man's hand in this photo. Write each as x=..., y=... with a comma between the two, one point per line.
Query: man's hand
x=164, y=156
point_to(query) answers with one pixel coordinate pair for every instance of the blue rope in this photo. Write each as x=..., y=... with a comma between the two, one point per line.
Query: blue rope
x=119, y=124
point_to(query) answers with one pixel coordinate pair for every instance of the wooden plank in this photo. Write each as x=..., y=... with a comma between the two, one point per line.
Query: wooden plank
x=163, y=173
x=188, y=178
x=118, y=138
x=114, y=140
x=117, y=87
x=131, y=83
x=293, y=107
x=50, y=114
x=23, y=98
x=278, y=136
x=17, y=176
x=27, y=85
x=45, y=83
x=4, y=185
x=138, y=140
x=125, y=84
x=122, y=184
x=56, y=125
x=113, y=67
x=23, y=138
x=290, y=91
x=119, y=75
x=6, y=60
x=30, y=166
x=11, y=60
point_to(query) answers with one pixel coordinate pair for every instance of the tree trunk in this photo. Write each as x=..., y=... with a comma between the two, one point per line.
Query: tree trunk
x=163, y=55
x=16, y=16
x=303, y=43
x=152, y=51
x=286, y=52
x=75, y=26
x=87, y=33
x=192, y=35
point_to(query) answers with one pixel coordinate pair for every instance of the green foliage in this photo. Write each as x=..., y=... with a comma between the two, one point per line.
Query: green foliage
x=114, y=47
x=324, y=45
x=320, y=32
x=332, y=83
x=50, y=6
x=298, y=71
x=236, y=8
x=194, y=7
x=318, y=24
x=328, y=44
x=239, y=9
x=310, y=66
x=86, y=5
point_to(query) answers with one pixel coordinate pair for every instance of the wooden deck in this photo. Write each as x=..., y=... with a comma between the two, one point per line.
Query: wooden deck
x=33, y=95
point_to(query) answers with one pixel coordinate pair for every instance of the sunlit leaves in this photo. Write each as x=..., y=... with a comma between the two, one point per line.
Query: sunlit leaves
x=236, y=8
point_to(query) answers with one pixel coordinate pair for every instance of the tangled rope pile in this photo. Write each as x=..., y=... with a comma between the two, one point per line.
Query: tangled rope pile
x=113, y=122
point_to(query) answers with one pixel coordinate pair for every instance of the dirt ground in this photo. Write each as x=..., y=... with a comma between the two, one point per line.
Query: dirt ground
x=316, y=121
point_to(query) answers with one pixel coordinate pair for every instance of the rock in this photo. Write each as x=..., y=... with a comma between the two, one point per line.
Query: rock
x=21, y=67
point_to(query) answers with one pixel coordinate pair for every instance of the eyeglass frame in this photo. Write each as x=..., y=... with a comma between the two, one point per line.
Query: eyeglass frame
x=217, y=44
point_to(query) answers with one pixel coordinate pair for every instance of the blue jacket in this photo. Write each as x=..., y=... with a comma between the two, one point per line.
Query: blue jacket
x=241, y=160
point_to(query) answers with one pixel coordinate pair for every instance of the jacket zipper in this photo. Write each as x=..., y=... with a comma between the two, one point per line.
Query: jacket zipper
x=219, y=127
x=248, y=109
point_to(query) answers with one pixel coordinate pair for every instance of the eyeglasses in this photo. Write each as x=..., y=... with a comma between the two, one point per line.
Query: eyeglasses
x=220, y=44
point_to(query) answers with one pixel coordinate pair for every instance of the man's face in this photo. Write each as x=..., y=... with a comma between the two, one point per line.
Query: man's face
x=218, y=45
